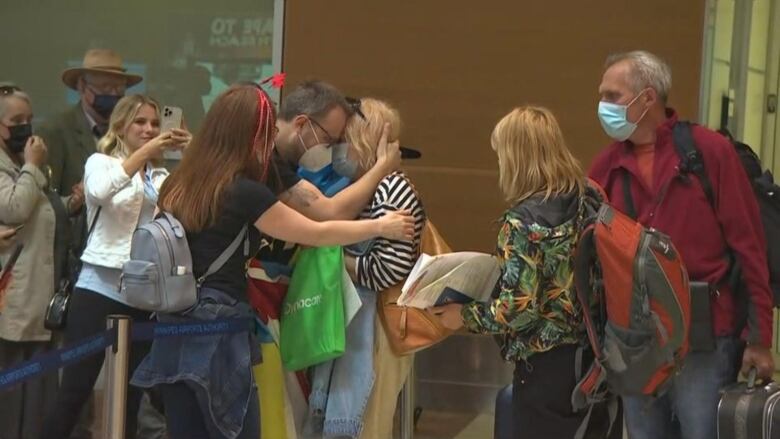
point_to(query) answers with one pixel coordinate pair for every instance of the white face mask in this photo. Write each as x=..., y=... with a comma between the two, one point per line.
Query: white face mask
x=316, y=137
x=614, y=119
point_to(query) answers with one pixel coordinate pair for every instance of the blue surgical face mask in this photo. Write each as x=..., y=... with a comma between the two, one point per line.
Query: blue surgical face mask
x=342, y=164
x=614, y=121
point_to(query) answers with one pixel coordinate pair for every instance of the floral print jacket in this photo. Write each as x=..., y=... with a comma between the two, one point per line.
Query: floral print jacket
x=535, y=307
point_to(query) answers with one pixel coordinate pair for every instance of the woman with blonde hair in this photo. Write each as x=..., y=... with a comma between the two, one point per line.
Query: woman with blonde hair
x=534, y=309
x=120, y=186
x=355, y=395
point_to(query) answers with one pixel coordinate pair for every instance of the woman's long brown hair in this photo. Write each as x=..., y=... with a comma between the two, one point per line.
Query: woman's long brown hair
x=234, y=137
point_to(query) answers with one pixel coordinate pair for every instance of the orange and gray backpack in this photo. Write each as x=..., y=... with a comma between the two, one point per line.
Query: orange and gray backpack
x=634, y=291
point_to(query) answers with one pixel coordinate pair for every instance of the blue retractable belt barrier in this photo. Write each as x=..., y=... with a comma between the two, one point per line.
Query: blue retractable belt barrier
x=56, y=359
x=95, y=344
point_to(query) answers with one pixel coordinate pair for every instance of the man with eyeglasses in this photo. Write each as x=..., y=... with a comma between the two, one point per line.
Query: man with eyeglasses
x=313, y=113
x=316, y=113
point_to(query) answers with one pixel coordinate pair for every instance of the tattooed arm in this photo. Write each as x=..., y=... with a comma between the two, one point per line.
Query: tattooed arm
x=347, y=204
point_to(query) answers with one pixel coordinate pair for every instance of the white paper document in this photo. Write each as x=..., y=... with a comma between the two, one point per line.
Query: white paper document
x=471, y=275
x=352, y=301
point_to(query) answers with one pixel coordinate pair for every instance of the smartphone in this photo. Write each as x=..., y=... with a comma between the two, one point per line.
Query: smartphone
x=171, y=118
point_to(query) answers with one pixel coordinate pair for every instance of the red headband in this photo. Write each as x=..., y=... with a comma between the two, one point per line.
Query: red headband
x=265, y=120
x=276, y=80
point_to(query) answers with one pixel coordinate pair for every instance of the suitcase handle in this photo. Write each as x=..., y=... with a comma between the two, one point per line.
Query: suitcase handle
x=752, y=376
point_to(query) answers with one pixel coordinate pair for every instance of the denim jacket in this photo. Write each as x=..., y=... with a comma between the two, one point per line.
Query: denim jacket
x=218, y=367
x=341, y=387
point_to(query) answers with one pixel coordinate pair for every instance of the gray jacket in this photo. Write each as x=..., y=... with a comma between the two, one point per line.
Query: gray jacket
x=25, y=199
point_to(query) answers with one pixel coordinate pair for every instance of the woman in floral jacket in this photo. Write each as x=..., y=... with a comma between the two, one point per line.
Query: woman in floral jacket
x=534, y=309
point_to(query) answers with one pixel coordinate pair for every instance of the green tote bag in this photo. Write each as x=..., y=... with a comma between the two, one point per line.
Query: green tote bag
x=312, y=323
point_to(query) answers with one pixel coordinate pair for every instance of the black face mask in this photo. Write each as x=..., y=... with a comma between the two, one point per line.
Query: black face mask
x=104, y=104
x=20, y=134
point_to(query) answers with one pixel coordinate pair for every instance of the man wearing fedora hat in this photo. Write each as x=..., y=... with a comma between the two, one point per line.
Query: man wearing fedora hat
x=72, y=136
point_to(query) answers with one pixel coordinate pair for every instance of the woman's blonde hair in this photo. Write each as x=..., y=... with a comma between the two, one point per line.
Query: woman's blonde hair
x=125, y=111
x=364, y=134
x=533, y=157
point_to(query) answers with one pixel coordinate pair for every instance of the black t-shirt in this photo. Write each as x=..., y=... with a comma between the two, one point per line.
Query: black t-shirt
x=245, y=201
x=281, y=176
x=275, y=250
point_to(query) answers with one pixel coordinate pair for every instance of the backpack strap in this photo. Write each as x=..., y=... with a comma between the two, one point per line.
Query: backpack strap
x=690, y=158
x=584, y=260
x=91, y=229
x=691, y=162
x=94, y=221
x=225, y=255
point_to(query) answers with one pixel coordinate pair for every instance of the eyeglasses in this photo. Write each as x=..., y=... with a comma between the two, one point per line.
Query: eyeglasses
x=354, y=105
x=329, y=139
x=8, y=89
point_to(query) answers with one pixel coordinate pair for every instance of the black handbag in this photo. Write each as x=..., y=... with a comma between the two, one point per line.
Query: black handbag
x=57, y=311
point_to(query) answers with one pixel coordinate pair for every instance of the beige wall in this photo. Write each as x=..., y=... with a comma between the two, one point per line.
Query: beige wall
x=453, y=68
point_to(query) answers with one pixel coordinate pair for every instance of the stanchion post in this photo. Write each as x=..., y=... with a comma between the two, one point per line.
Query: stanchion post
x=116, y=363
x=407, y=406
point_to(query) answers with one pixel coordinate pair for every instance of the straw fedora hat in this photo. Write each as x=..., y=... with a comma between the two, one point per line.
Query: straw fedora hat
x=99, y=61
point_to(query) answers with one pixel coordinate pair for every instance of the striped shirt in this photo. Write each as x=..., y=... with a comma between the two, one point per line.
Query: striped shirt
x=388, y=262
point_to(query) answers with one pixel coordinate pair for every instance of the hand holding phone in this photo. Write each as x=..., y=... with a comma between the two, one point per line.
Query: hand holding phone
x=171, y=120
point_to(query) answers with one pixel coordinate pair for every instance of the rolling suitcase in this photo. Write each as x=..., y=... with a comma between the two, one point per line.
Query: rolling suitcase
x=749, y=411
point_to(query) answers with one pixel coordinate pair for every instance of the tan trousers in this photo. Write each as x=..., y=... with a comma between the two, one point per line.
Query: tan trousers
x=390, y=372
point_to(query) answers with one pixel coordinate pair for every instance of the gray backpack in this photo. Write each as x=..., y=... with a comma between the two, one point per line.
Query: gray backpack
x=158, y=277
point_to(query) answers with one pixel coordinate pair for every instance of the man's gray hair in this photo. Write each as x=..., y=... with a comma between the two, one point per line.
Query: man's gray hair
x=312, y=98
x=647, y=70
x=15, y=93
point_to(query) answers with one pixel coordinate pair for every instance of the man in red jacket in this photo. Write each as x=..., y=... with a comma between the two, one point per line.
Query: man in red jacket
x=643, y=159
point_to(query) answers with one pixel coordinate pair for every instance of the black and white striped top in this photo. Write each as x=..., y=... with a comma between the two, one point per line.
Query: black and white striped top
x=389, y=262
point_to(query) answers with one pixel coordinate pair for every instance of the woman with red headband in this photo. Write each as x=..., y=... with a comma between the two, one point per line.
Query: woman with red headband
x=226, y=183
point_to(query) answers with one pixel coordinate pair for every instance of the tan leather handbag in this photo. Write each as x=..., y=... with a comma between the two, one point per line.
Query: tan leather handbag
x=411, y=329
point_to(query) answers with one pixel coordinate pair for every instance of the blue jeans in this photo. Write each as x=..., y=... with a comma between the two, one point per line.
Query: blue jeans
x=689, y=410
x=341, y=387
